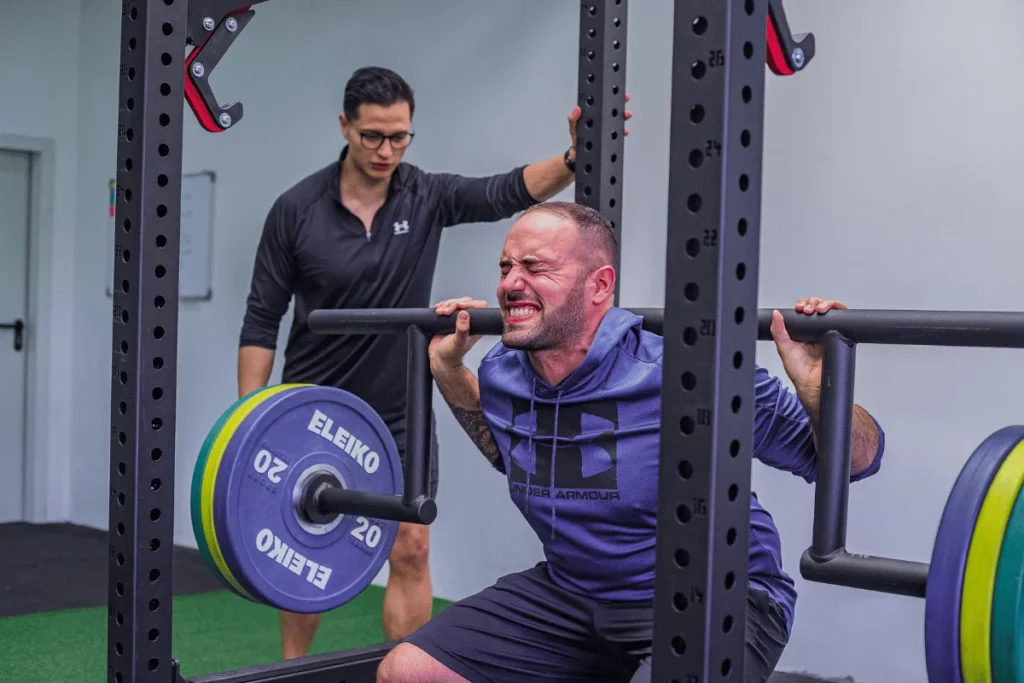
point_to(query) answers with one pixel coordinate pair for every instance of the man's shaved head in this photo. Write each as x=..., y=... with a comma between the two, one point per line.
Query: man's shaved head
x=557, y=277
x=597, y=236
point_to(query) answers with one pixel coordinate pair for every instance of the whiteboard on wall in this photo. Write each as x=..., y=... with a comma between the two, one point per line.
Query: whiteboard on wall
x=195, y=263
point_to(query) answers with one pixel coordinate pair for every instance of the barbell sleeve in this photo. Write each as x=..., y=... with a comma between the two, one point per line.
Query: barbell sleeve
x=337, y=500
x=866, y=572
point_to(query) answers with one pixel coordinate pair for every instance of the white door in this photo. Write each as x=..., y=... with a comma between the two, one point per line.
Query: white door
x=15, y=186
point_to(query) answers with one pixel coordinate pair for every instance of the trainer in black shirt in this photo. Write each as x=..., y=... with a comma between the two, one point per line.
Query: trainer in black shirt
x=363, y=232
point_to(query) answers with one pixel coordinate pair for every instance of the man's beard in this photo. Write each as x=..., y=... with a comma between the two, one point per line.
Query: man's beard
x=556, y=326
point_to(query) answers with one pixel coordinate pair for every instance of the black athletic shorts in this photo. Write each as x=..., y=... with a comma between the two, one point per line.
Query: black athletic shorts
x=525, y=628
x=397, y=429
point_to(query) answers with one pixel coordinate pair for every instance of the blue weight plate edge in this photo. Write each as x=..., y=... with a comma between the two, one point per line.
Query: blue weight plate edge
x=949, y=554
x=249, y=427
x=221, y=523
x=195, y=492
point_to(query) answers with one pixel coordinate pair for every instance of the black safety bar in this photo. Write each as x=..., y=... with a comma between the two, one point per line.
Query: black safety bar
x=357, y=665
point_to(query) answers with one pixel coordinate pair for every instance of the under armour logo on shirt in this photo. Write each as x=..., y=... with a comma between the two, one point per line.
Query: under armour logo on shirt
x=402, y=228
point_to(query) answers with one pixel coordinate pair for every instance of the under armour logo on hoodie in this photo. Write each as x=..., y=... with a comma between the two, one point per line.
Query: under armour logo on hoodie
x=401, y=228
x=560, y=452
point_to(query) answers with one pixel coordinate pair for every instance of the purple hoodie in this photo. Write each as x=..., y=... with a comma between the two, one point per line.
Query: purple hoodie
x=582, y=460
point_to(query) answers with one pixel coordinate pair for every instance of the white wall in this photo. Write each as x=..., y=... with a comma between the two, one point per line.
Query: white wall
x=38, y=58
x=97, y=153
x=890, y=172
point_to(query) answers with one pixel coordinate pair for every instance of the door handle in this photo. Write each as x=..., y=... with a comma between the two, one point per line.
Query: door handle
x=19, y=328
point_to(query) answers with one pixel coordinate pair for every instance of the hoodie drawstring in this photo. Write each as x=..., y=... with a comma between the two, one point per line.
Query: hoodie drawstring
x=531, y=448
x=554, y=452
x=529, y=442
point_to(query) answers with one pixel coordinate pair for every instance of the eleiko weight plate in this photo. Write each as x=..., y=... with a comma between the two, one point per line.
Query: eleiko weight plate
x=291, y=561
x=982, y=563
x=949, y=555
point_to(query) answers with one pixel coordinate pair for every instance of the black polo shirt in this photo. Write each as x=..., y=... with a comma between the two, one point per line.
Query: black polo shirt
x=314, y=249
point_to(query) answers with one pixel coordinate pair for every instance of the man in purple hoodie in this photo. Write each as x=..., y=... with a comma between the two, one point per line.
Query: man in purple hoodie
x=568, y=407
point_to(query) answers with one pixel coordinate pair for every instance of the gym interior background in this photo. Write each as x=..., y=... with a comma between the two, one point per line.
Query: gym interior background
x=891, y=180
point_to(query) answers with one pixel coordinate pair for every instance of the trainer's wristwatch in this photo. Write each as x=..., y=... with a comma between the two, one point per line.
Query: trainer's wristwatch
x=569, y=161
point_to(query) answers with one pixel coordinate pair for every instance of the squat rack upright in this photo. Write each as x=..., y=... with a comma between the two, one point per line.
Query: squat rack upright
x=710, y=314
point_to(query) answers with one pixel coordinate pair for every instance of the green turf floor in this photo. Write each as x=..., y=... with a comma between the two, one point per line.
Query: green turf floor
x=212, y=632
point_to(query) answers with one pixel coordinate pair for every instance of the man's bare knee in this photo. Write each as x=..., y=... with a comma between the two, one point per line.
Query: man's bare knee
x=401, y=664
x=389, y=668
x=411, y=552
x=406, y=663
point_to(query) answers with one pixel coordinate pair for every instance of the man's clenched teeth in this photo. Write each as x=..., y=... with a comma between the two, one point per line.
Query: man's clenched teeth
x=522, y=311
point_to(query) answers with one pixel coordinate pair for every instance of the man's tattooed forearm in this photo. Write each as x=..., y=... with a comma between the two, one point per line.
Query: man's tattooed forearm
x=478, y=430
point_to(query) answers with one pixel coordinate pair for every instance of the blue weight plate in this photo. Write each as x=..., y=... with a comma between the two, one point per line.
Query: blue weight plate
x=949, y=555
x=281, y=558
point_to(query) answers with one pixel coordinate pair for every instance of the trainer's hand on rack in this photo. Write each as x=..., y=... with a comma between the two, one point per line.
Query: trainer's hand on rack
x=801, y=360
x=448, y=350
x=576, y=114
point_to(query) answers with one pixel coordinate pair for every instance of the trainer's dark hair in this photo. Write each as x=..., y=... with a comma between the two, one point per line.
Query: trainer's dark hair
x=376, y=85
x=597, y=232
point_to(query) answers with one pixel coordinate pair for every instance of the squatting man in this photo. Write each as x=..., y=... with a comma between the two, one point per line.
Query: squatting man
x=569, y=403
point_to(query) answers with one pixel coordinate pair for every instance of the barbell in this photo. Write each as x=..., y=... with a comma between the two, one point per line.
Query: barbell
x=298, y=491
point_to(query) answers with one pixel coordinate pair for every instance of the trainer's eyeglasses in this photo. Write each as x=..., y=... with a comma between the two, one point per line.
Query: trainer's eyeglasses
x=373, y=140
